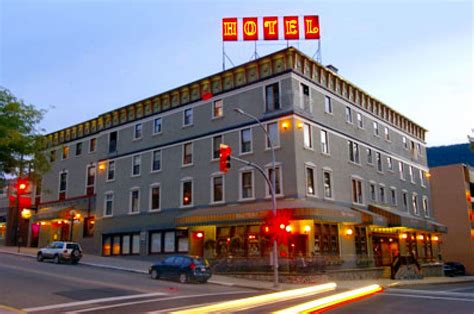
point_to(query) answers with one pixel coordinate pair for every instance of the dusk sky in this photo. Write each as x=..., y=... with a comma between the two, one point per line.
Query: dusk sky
x=79, y=59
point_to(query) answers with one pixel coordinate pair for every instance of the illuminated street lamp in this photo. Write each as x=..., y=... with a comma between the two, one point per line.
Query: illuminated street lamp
x=74, y=217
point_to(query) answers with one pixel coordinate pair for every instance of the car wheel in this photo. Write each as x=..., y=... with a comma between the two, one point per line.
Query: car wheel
x=56, y=259
x=39, y=257
x=183, y=278
x=203, y=281
x=154, y=274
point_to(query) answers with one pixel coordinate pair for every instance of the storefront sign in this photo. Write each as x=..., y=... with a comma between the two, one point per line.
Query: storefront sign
x=270, y=25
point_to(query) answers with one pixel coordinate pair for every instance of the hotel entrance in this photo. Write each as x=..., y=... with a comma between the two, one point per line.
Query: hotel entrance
x=386, y=248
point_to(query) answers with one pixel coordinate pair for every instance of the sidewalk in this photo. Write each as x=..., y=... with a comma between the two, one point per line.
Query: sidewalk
x=140, y=264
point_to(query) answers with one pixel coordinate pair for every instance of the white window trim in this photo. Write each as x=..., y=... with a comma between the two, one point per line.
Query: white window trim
x=422, y=178
x=241, y=171
x=89, y=146
x=328, y=153
x=154, y=185
x=152, y=161
x=329, y=170
x=385, y=200
x=401, y=170
x=362, y=185
x=360, y=123
x=240, y=142
x=140, y=165
x=302, y=98
x=130, y=212
x=408, y=200
x=386, y=135
x=381, y=162
x=153, y=126
x=105, y=204
x=411, y=174
x=184, y=180
x=87, y=175
x=67, y=183
x=375, y=192
x=277, y=144
x=315, y=180
x=269, y=167
x=376, y=130
x=213, y=117
x=108, y=141
x=212, y=146
x=107, y=171
x=426, y=211
x=311, y=137
x=416, y=211
x=214, y=175
x=350, y=115
x=184, y=117
x=391, y=160
x=330, y=105
x=392, y=188
x=82, y=149
x=135, y=138
x=264, y=91
x=62, y=152
x=183, y=165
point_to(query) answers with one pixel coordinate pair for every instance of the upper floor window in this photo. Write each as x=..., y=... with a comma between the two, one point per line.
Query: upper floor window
x=327, y=104
x=357, y=194
x=373, y=192
x=138, y=131
x=216, y=144
x=353, y=152
x=277, y=180
x=91, y=175
x=348, y=115
x=62, y=182
x=327, y=182
x=156, y=160
x=418, y=149
x=425, y=205
x=389, y=163
x=272, y=97
x=109, y=204
x=188, y=117
x=136, y=163
x=52, y=155
x=246, y=187
x=360, y=120
x=376, y=129
x=393, y=192
x=410, y=173
x=113, y=138
x=78, y=149
x=111, y=170
x=401, y=170
x=422, y=177
x=324, y=142
x=187, y=193
x=245, y=141
x=134, y=201
x=405, y=200
x=65, y=152
x=272, y=129
x=92, y=145
x=304, y=94
x=307, y=136
x=310, y=181
x=188, y=154
x=370, y=156
x=386, y=134
x=378, y=157
x=414, y=200
x=155, y=197
x=405, y=142
x=218, y=109
x=217, y=189
x=157, y=126
x=382, y=194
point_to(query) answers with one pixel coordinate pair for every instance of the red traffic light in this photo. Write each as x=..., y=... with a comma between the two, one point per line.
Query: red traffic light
x=224, y=154
x=22, y=186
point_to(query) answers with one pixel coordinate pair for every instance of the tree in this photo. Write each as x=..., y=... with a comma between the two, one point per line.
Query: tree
x=21, y=144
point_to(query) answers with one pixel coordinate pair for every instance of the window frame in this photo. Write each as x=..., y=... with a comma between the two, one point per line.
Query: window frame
x=133, y=174
x=130, y=205
x=277, y=141
x=213, y=115
x=137, y=130
x=241, y=142
x=354, y=197
x=241, y=182
x=266, y=107
x=154, y=125
x=104, y=211
x=328, y=105
x=183, y=155
x=349, y=117
x=150, y=191
x=269, y=168
x=109, y=151
x=312, y=168
x=221, y=136
x=307, y=126
x=303, y=98
x=153, y=152
x=191, y=122
x=66, y=172
x=92, y=140
x=360, y=120
x=213, y=177
x=107, y=179
x=324, y=139
x=331, y=184
x=181, y=195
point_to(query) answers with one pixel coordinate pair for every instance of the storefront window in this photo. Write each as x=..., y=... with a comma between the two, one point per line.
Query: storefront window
x=361, y=241
x=169, y=242
x=155, y=242
x=326, y=239
x=121, y=244
x=116, y=245
x=126, y=245
x=136, y=244
x=106, y=247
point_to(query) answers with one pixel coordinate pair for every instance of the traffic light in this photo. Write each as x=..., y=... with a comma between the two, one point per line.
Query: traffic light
x=277, y=227
x=224, y=154
x=21, y=186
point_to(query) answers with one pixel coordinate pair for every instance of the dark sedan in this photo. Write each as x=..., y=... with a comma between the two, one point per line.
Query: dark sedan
x=452, y=269
x=185, y=268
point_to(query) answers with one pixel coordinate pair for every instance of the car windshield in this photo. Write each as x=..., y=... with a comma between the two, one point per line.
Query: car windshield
x=72, y=246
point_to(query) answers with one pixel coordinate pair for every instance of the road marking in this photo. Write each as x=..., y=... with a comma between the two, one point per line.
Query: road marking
x=155, y=300
x=178, y=308
x=432, y=292
x=79, y=303
x=428, y=297
x=461, y=289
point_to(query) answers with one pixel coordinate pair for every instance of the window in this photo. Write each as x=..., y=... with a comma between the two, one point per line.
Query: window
x=62, y=182
x=353, y=152
x=414, y=201
x=272, y=129
x=246, y=185
x=216, y=144
x=310, y=183
x=360, y=241
x=307, y=137
x=378, y=157
x=218, y=109
x=324, y=142
x=327, y=183
x=155, y=242
x=422, y=177
x=156, y=160
x=425, y=206
x=112, y=142
x=187, y=154
x=360, y=121
x=304, y=94
x=52, y=155
x=357, y=196
x=389, y=163
x=217, y=189
x=418, y=149
x=79, y=149
x=272, y=97
x=382, y=194
x=387, y=134
x=405, y=200
x=188, y=117
x=373, y=192
x=157, y=126
x=65, y=152
x=111, y=171
x=91, y=176
x=326, y=240
x=187, y=193
x=401, y=170
x=277, y=180
x=405, y=142
x=410, y=173
x=138, y=131
x=348, y=115
x=134, y=201
x=136, y=163
x=376, y=129
x=393, y=193
x=370, y=157
x=92, y=145
x=245, y=141
x=327, y=104
x=109, y=204
x=155, y=194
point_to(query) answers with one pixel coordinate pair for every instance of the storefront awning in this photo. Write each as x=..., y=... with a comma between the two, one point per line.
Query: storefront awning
x=61, y=210
x=370, y=218
x=257, y=212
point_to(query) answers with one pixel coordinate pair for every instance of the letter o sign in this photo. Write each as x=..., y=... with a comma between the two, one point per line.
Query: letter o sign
x=250, y=28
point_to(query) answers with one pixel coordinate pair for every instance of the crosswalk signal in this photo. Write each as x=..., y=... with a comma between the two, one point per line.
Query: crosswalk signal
x=224, y=155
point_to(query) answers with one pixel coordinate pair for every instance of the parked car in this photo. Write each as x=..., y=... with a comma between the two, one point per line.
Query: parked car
x=452, y=269
x=185, y=268
x=60, y=251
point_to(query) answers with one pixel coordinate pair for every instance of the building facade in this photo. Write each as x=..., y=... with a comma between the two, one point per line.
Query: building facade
x=452, y=187
x=144, y=179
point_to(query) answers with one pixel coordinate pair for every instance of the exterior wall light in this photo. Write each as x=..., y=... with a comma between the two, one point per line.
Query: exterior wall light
x=285, y=125
x=102, y=166
x=435, y=238
x=349, y=232
x=300, y=125
x=421, y=237
x=307, y=228
x=404, y=236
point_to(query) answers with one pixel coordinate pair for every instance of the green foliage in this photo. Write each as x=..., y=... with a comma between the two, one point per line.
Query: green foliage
x=21, y=143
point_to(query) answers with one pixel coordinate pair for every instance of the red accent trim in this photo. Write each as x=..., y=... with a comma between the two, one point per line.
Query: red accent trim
x=67, y=199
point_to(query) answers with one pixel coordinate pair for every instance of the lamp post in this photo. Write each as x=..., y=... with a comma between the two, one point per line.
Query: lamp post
x=272, y=190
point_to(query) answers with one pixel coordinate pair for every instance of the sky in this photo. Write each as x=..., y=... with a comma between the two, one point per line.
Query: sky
x=80, y=58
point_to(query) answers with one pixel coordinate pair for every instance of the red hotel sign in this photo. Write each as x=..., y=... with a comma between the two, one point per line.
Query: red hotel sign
x=271, y=27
